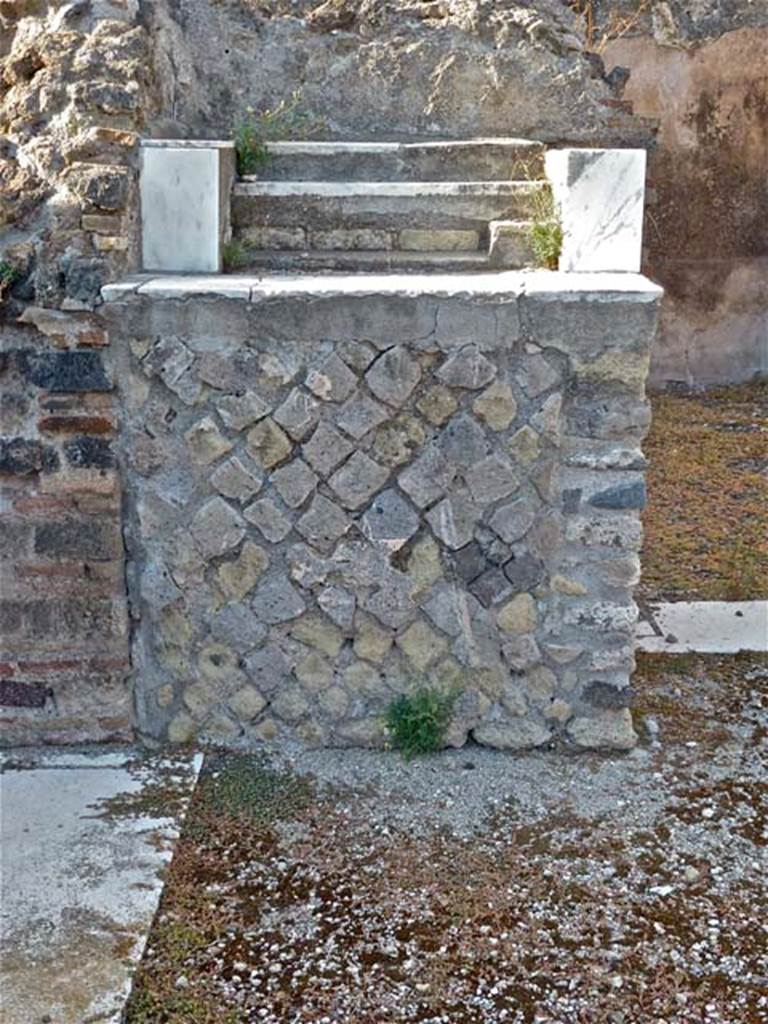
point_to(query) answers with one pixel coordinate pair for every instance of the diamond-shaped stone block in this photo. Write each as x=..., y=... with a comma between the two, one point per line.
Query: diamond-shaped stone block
x=294, y=482
x=468, y=368
x=437, y=404
x=277, y=600
x=453, y=519
x=237, y=578
x=323, y=523
x=206, y=442
x=394, y=375
x=339, y=605
x=297, y=414
x=268, y=443
x=332, y=380
x=421, y=644
x=268, y=519
x=360, y=414
x=358, y=480
x=326, y=449
x=237, y=478
x=428, y=477
x=216, y=527
x=240, y=411
x=390, y=520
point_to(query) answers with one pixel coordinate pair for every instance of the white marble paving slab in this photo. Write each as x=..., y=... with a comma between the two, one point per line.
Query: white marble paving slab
x=81, y=872
x=708, y=627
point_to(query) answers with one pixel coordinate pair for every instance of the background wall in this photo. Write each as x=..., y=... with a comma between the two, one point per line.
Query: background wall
x=701, y=71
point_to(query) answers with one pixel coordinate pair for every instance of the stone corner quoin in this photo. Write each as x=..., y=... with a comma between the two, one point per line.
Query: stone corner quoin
x=339, y=487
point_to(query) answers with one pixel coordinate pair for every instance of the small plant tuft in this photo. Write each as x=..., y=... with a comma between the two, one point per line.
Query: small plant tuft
x=9, y=275
x=417, y=722
x=254, y=129
x=546, y=232
x=547, y=242
x=234, y=255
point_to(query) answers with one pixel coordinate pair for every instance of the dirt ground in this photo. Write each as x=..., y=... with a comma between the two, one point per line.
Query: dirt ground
x=706, y=524
x=474, y=887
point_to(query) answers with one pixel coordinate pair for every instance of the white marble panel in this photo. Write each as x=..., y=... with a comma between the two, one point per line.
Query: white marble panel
x=185, y=206
x=599, y=194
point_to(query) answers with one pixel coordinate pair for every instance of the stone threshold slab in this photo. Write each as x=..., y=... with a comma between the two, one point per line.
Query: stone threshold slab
x=86, y=837
x=705, y=627
x=543, y=284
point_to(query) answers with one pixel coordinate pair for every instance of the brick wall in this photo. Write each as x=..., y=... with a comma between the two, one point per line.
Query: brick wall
x=63, y=639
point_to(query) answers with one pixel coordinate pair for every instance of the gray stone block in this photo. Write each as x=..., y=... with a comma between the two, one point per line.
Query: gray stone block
x=454, y=518
x=268, y=519
x=277, y=600
x=357, y=480
x=326, y=449
x=390, y=521
x=331, y=380
x=216, y=528
x=491, y=479
x=294, y=482
x=360, y=414
x=468, y=368
x=513, y=520
x=297, y=414
x=394, y=375
x=323, y=523
x=463, y=441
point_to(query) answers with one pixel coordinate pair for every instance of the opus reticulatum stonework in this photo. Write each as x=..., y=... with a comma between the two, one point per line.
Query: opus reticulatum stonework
x=342, y=487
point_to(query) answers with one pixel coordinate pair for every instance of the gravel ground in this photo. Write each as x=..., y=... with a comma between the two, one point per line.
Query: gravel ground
x=705, y=522
x=474, y=887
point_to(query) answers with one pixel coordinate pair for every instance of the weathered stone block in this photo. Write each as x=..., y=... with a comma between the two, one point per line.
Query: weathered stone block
x=331, y=380
x=216, y=527
x=496, y=405
x=240, y=411
x=468, y=368
x=61, y=372
x=294, y=482
x=358, y=480
x=21, y=457
x=393, y=376
x=206, y=443
x=268, y=519
x=323, y=523
x=237, y=478
x=360, y=414
x=276, y=600
x=268, y=444
x=390, y=521
x=326, y=449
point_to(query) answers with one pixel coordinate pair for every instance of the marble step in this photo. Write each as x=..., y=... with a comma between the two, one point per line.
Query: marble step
x=506, y=244
x=376, y=260
x=319, y=208
x=429, y=160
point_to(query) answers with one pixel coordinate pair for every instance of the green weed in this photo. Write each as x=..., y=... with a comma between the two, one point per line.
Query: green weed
x=254, y=129
x=417, y=723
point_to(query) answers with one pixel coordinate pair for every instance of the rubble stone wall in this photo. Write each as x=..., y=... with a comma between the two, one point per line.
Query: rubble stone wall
x=75, y=81
x=63, y=624
x=339, y=490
